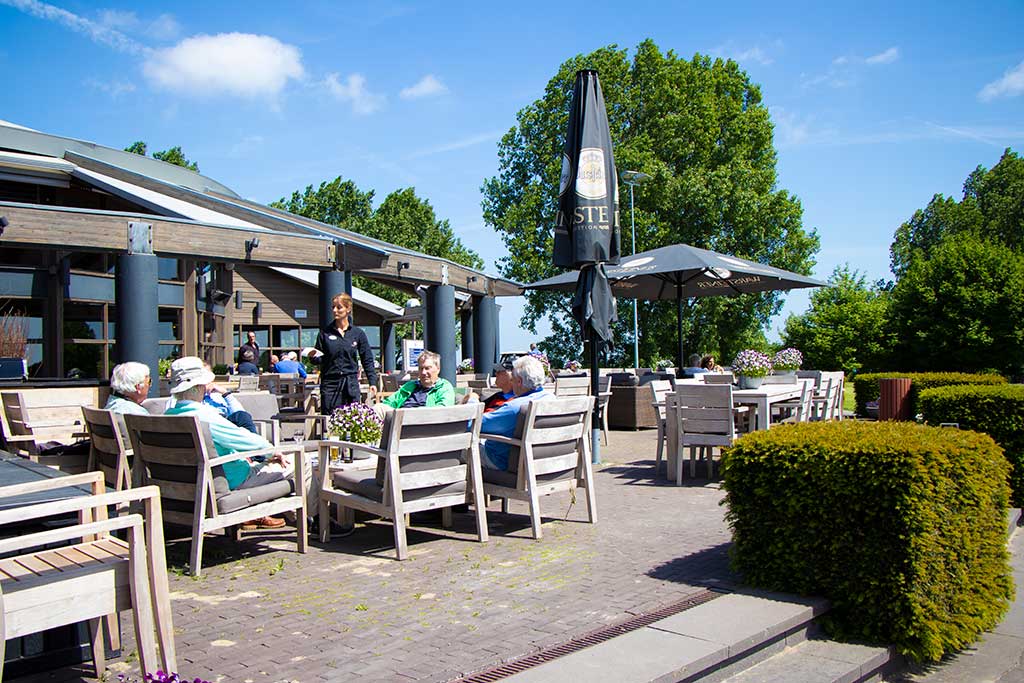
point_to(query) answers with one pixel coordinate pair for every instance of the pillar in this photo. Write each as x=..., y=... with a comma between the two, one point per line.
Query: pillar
x=439, y=327
x=485, y=325
x=136, y=292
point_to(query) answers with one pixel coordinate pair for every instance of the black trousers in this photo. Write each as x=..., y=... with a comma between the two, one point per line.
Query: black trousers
x=338, y=391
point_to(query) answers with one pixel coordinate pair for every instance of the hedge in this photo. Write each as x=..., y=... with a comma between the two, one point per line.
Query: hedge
x=900, y=526
x=865, y=387
x=997, y=411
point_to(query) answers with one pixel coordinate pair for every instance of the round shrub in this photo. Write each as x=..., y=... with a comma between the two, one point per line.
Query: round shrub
x=901, y=526
x=865, y=387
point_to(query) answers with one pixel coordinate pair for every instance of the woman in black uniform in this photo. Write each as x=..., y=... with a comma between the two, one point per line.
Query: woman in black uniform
x=340, y=348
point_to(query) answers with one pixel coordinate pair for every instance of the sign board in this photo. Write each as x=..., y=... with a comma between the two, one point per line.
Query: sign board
x=411, y=350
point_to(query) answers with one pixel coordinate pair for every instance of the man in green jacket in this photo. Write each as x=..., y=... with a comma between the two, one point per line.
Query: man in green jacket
x=429, y=390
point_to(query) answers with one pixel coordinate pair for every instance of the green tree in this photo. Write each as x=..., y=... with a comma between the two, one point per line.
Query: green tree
x=174, y=155
x=961, y=308
x=846, y=326
x=699, y=128
x=992, y=207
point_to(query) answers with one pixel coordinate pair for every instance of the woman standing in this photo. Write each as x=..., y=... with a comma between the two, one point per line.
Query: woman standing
x=340, y=348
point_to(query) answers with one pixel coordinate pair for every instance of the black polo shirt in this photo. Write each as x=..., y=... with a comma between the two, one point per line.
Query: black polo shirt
x=343, y=353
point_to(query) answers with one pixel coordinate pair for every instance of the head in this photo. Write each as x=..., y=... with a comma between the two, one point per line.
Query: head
x=248, y=356
x=695, y=360
x=251, y=336
x=131, y=380
x=189, y=377
x=430, y=368
x=341, y=306
x=527, y=374
x=503, y=376
x=707, y=362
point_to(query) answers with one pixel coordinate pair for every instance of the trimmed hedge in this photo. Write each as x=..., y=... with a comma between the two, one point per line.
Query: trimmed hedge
x=901, y=526
x=865, y=387
x=997, y=411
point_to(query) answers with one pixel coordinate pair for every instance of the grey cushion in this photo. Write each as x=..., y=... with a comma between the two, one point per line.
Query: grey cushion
x=358, y=482
x=243, y=498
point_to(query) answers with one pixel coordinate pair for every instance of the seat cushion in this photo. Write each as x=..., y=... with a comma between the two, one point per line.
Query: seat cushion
x=358, y=482
x=243, y=498
x=508, y=479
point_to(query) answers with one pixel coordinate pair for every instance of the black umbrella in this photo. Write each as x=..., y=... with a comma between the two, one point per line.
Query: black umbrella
x=680, y=271
x=587, y=225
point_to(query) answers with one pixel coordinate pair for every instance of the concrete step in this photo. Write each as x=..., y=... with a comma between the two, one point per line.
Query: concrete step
x=698, y=644
x=818, y=661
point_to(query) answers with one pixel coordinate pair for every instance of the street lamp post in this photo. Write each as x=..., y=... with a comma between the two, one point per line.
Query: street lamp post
x=632, y=178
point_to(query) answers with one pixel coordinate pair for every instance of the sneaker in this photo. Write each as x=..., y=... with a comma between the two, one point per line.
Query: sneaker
x=263, y=523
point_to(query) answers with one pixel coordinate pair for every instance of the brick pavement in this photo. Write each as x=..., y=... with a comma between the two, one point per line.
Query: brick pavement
x=347, y=610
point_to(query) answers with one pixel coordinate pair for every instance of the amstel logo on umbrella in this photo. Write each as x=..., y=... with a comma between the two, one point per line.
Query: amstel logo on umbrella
x=590, y=177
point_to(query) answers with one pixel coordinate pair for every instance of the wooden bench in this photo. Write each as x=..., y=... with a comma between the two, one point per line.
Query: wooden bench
x=34, y=419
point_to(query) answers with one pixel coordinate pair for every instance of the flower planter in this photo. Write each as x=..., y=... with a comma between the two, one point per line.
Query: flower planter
x=748, y=382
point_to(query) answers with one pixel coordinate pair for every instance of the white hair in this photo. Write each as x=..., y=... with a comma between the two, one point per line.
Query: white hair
x=529, y=371
x=125, y=378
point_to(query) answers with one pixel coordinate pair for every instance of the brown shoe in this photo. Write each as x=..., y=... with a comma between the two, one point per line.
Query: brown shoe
x=263, y=523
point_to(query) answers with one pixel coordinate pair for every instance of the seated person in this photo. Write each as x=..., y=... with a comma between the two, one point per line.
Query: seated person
x=429, y=390
x=189, y=379
x=129, y=386
x=694, y=367
x=247, y=366
x=527, y=385
x=289, y=364
x=709, y=364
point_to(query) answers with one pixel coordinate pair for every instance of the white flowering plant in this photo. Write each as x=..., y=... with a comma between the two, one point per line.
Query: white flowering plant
x=355, y=422
x=787, y=359
x=751, y=363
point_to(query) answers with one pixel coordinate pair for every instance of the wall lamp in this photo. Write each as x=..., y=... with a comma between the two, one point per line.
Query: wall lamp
x=240, y=304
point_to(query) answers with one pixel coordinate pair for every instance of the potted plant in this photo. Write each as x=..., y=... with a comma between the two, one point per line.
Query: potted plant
x=750, y=368
x=13, y=346
x=787, y=361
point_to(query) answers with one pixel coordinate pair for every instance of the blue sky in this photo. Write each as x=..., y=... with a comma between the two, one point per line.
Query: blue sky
x=876, y=106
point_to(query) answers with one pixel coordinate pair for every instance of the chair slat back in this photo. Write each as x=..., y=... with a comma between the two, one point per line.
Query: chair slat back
x=108, y=450
x=572, y=386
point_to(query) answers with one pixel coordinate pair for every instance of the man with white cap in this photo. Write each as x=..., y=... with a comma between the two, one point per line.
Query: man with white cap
x=189, y=377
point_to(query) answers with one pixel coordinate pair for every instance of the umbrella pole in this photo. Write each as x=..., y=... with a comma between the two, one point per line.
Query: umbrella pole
x=595, y=424
x=679, y=327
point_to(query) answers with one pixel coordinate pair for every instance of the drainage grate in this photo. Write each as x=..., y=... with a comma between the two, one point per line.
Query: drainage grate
x=501, y=671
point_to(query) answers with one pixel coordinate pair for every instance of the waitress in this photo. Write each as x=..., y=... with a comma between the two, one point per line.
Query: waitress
x=340, y=348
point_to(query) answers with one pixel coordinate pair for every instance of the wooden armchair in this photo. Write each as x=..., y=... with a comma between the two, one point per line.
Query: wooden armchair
x=82, y=573
x=429, y=458
x=549, y=452
x=176, y=453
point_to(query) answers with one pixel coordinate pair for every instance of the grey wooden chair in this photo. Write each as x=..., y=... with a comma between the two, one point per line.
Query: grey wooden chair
x=549, y=452
x=176, y=453
x=429, y=458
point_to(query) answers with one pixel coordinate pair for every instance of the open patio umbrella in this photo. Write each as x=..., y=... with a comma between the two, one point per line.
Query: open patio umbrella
x=587, y=224
x=681, y=271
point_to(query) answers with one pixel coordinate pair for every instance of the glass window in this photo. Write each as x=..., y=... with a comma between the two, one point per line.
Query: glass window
x=167, y=269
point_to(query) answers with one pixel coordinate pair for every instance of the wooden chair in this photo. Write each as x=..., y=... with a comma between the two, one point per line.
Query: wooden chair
x=109, y=450
x=549, y=452
x=572, y=386
x=427, y=459
x=176, y=453
x=705, y=417
x=82, y=573
x=659, y=389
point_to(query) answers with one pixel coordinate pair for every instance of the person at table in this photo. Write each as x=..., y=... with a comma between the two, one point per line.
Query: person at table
x=429, y=389
x=694, y=367
x=502, y=373
x=709, y=364
x=527, y=385
x=290, y=365
x=248, y=366
x=251, y=345
x=340, y=348
x=129, y=386
x=189, y=381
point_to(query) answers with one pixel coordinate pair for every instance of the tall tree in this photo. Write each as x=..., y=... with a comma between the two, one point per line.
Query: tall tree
x=992, y=208
x=845, y=327
x=698, y=127
x=174, y=155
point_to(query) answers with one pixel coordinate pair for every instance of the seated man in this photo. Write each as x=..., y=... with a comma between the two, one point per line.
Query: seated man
x=289, y=364
x=189, y=379
x=247, y=366
x=694, y=368
x=129, y=386
x=429, y=390
x=527, y=385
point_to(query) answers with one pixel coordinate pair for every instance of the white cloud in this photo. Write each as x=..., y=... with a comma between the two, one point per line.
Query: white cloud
x=1010, y=85
x=236, y=63
x=354, y=91
x=887, y=57
x=428, y=86
x=98, y=33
